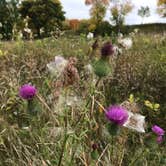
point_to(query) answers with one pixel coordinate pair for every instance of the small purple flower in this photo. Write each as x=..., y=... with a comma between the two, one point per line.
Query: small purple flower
x=107, y=49
x=117, y=114
x=27, y=91
x=157, y=130
x=160, y=139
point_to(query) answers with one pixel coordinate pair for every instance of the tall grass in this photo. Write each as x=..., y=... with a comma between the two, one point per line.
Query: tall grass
x=64, y=134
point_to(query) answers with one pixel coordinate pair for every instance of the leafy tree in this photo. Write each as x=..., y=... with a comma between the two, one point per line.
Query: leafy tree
x=144, y=12
x=97, y=12
x=162, y=7
x=119, y=11
x=9, y=17
x=42, y=14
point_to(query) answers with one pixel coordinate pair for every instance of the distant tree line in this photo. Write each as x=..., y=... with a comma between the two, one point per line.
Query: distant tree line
x=40, y=17
x=44, y=18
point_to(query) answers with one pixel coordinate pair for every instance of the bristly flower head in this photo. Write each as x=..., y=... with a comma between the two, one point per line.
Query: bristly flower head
x=107, y=49
x=157, y=130
x=27, y=91
x=117, y=114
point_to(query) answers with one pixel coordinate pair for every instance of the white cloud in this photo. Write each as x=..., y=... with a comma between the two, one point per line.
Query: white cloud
x=77, y=9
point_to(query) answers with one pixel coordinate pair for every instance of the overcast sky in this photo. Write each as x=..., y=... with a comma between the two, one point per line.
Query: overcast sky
x=77, y=9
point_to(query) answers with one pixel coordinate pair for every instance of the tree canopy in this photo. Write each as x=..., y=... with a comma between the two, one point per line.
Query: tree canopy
x=9, y=16
x=42, y=14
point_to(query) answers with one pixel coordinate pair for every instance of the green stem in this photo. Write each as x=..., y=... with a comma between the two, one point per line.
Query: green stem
x=64, y=141
x=112, y=150
x=29, y=111
x=63, y=149
x=93, y=91
x=30, y=107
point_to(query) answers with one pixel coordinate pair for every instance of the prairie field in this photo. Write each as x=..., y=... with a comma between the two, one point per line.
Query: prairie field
x=65, y=123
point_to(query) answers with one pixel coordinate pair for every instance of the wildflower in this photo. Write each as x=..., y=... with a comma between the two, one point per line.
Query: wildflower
x=90, y=35
x=27, y=91
x=153, y=106
x=107, y=49
x=131, y=98
x=126, y=42
x=117, y=115
x=148, y=104
x=157, y=130
x=57, y=67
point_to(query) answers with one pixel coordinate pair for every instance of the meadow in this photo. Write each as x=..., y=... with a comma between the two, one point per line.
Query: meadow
x=65, y=123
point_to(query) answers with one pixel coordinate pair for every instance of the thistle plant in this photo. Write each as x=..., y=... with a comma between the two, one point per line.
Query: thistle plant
x=28, y=92
x=117, y=115
x=102, y=67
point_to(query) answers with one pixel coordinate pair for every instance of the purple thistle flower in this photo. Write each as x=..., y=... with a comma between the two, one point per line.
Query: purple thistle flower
x=117, y=115
x=157, y=130
x=107, y=49
x=27, y=91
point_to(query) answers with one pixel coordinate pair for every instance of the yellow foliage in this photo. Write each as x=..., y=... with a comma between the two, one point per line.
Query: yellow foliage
x=153, y=106
x=131, y=98
x=91, y=27
x=114, y=11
